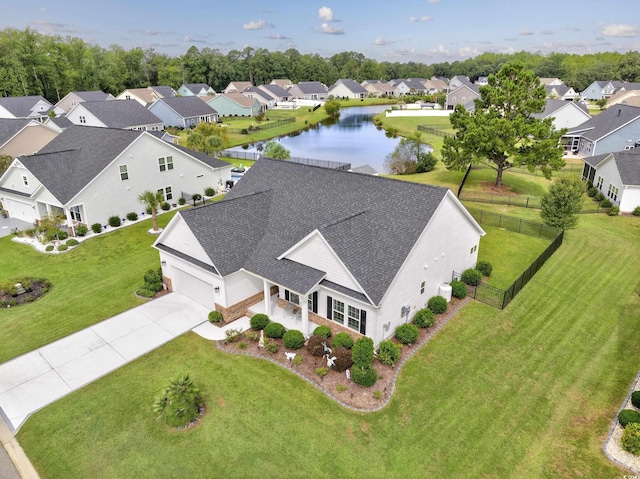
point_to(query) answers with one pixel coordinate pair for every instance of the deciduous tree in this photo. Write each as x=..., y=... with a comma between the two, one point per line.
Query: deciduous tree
x=562, y=203
x=275, y=150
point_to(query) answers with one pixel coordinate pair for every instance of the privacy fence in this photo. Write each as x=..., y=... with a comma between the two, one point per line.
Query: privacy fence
x=499, y=298
x=253, y=156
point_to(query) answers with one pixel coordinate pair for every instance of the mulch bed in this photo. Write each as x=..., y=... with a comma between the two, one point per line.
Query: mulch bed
x=39, y=287
x=351, y=395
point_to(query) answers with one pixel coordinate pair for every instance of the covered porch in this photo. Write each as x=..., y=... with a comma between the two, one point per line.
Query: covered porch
x=291, y=316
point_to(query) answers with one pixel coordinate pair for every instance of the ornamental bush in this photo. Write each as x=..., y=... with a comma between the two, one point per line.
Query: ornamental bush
x=132, y=216
x=484, y=267
x=471, y=276
x=407, y=333
x=71, y=242
x=215, y=317
x=437, y=304
x=599, y=196
x=636, y=211
x=96, y=227
x=635, y=399
x=209, y=191
x=63, y=247
x=424, y=318
x=259, y=321
x=181, y=201
x=631, y=439
x=49, y=248
x=145, y=292
x=62, y=235
x=114, y=221
x=293, y=339
x=627, y=416
x=180, y=403
x=165, y=206
x=315, y=346
x=343, y=340
x=388, y=352
x=458, y=289
x=274, y=330
x=82, y=230
x=591, y=192
x=365, y=375
x=614, y=211
x=605, y=203
x=343, y=359
x=362, y=352
x=323, y=331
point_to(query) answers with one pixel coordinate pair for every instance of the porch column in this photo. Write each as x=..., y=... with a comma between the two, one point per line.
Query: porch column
x=67, y=213
x=304, y=305
x=267, y=297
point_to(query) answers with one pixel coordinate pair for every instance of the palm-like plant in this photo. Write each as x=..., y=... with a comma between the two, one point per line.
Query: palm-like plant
x=179, y=403
x=152, y=201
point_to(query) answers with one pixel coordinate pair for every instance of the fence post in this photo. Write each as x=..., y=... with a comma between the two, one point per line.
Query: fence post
x=527, y=205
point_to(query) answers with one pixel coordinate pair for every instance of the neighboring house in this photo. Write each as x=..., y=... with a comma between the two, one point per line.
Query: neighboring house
x=625, y=97
x=24, y=137
x=457, y=81
x=89, y=174
x=332, y=243
x=146, y=96
x=365, y=169
x=411, y=86
x=309, y=90
x=565, y=114
x=234, y=104
x=195, y=89
x=33, y=107
x=464, y=95
x=124, y=114
x=72, y=99
x=265, y=98
x=378, y=88
x=168, y=137
x=617, y=176
x=551, y=81
x=277, y=92
x=237, y=86
x=615, y=129
x=561, y=92
x=606, y=89
x=282, y=83
x=58, y=123
x=482, y=81
x=435, y=85
x=183, y=111
x=347, y=88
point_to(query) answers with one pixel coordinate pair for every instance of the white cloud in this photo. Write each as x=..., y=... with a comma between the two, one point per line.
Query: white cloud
x=277, y=36
x=330, y=29
x=526, y=32
x=619, y=30
x=547, y=32
x=383, y=41
x=325, y=14
x=424, y=18
x=256, y=25
x=440, y=50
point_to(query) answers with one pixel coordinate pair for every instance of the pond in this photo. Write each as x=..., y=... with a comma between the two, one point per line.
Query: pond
x=352, y=139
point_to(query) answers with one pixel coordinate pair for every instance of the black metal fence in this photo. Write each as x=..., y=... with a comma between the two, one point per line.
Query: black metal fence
x=517, y=225
x=521, y=201
x=435, y=131
x=253, y=156
x=261, y=126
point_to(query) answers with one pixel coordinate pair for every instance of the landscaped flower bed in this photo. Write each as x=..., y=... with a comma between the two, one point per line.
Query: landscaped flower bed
x=29, y=290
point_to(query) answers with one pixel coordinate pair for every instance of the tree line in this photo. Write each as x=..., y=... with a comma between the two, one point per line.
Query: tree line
x=32, y=63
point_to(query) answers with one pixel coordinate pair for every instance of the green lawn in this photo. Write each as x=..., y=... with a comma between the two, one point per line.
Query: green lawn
x=525, y=392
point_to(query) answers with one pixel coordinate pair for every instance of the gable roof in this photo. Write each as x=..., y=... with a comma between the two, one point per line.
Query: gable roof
x=211, y=161
x=239, y=86
x=20, y=106
x=195, y=88
x=9, y=127
x=265, y=95
x=93, y=95
x=627, y=162
x=606, y=122
x=358, y=217
x=551, y=106
x=163, y=90
x=352, y=85
x=120, y=113
x=311, y=87
x=238, y=98
x=187, y=106
x=275, y=90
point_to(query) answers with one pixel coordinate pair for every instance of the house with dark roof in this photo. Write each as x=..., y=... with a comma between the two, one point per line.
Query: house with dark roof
x=606, y=89
x=309, y=90
x=615, y=129
x=565, y=114
x=124, y=114
x=183, y=111
x=410, y=86
x=71, y=99
x=234, y=104
x=463, y=95
x=34, y=107
x=309, y=246
x=195, y=89
x=378, y=88
x=561, y=92
x=24, y=137
x=276, y=91
x=89, y=174
x=284, y=83
x=146, y=96
x=348, y=88
x=265, y=98
x=617, y=176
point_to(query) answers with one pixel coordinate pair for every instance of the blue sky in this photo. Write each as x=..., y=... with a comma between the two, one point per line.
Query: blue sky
x=427, y=31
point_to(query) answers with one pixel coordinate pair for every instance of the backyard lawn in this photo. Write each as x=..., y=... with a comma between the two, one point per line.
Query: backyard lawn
x=529, y=392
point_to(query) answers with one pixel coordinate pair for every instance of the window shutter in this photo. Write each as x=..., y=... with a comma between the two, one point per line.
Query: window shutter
x=286, y=294
x=314, y=302
x=363, y=322
x=329, y=306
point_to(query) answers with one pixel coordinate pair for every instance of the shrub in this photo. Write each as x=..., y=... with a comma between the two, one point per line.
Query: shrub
x=272, y=347
x=180, y=403
x=244, y=131
x=343, y=340
x=63, y=247
x=151, y=276
x=437, y=304
x=114, y=221
x=631, y=439
x=145, y=292
x=424, y=318
x=635, y=399
x=274, y=330
x=71, y=242
x=81, y=230
x=293, y=339
x=343, y=359
x=484, y=267
x=471, y=276
x=322, y=372
x=242, y=345
x=315, y=346
x=614, y=211
x=388, y=352
x=233, y=335
x=252, y=336
x=636, y=211
x=323, y=331
x=96, y=227
x=605, y=203
x=364, y=375
x=362, y=352
x=209, y=191
x=62, y=235
x=591, y=192
x=458, y=289
x=599, y=196
x=215, y=317
x=165, y=206
x=341, y=388
x=148, y=211
x=259, y=321
x=132, y=216
x=181, y=201
x=297, y=361
x=49, y=248
x=407, y=333
x=627, y=416
x=377, y=395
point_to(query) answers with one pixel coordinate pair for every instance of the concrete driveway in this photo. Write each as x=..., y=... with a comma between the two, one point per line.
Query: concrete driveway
x=8, y=224
x=36, y=379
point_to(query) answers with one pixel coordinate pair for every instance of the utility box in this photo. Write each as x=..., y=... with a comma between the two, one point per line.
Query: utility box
x=445, y=291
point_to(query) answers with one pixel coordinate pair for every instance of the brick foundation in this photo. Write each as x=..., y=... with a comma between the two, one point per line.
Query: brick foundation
x=167, y=281
x=239, y=309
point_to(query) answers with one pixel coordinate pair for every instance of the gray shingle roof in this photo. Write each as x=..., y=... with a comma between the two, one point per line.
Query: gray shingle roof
x=120, y=113
x=165, y=91
x=311, y=87
x=10, y=127
x=354, y=86
x=20, y=106
x=266, y=96
x=206, y=159
x=551, y=106
x=275, y=90
x=609, y=120
x=92, y=95
x=76, y=156
x=371, y=223
x=627, y=161
x=195, y=88
x=61, y=121
x=188, y=106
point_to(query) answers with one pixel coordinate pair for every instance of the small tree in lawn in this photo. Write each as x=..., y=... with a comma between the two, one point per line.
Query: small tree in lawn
x=5, y=162
x=562, y=203
x=152, y=202
x=410, y=156
x=275, y=150
x=502, y=132
x=332, y=108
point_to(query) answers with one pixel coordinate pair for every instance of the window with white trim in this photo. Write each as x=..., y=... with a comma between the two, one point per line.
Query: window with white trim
x=74, y=211
x=422, y=285
x=338, y=311
x=473, y=249
x=353, y=320
x=613, y=193
x=124, y=174
x=82, y=119
x=25, y=180
x=600, y=182
x=165, y=163
x=166, y=193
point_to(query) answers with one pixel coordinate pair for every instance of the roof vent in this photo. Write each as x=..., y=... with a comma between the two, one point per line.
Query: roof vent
x=619, y=111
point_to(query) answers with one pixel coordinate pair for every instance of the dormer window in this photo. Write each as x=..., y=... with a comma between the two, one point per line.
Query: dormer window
x=82, y=119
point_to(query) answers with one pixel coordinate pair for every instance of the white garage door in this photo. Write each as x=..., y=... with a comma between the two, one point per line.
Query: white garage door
x=21, y=211
x=194, y=288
